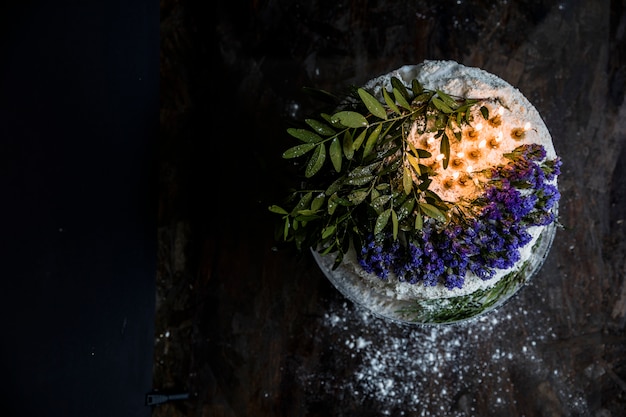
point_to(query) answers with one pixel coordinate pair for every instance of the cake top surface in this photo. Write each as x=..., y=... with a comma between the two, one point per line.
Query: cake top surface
x=433, y=173
x=512, y=121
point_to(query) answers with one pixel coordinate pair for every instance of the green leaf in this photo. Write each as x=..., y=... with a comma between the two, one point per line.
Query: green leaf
x=319, y=127
x=298, y=150
x=394, y=224
x=416, y=87
x=440, y=105
x=406, y=208
x=334, y=186
x=328, y=231
x=286, y=227
x=423, y=153
x=423, y=97
x=400, y=99
x=419, y=221
x=432, y=211
x=362, y=180
x=333, y=203
x=407, y=180
x=399, y=86
x=278, y=210
x=414, y=163
x=359, y=140
x=316, y=161
x=381, y=221
x=350, y=119
x=306, y=213
x=444, y=148
x=449, y=101
x=372, y=104
x=378, y=204
x=336, y=154
x=318, y=201
x=390, y=102
x=371, y=141
x=362, y=170
x=348, y=145
x=304, y=135
x=485, y=112
x=357, y=197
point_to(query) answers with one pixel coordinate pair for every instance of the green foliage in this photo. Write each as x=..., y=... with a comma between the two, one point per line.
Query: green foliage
x=375, y=182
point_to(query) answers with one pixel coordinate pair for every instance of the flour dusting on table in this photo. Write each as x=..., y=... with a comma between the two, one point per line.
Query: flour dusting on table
x=400, y=370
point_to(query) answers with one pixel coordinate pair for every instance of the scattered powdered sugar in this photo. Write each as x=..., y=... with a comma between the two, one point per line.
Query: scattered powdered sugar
x=377, y=367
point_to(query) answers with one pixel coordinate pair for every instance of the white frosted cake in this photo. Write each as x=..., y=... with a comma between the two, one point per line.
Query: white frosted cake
x=430, y=194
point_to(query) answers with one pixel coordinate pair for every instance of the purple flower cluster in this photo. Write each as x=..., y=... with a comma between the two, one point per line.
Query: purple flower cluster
x=517, y=197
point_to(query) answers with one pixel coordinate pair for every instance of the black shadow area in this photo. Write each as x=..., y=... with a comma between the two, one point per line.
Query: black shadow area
x=79, y=113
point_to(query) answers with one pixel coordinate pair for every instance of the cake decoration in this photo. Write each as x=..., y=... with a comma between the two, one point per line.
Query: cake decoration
x=435, y=179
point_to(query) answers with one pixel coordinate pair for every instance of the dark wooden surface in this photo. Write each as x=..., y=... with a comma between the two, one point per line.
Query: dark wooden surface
x=248, y=328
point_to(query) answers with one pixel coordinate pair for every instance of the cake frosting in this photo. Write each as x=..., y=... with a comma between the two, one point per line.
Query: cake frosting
x=517, y=122
x=475, y=174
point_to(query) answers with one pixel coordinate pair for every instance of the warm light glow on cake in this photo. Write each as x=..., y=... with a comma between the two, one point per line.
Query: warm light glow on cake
x=482, y=146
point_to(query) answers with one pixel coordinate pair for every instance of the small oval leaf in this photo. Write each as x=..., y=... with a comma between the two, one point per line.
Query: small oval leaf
x=440, y=105
x=298, y=150
x=318, y=201
x=400, y=99
x=417, y=87
x=449, y=101
x=372, y=104
x=277, y=209
x=394, y=224
x=336, y=154
x=365, y=179
x=357, y=197
x=419, y=222
x=328, y=231
x=319, y=127
x=304, y=135
x=414, y=163
x=316, y=161
x=390, y=102
x=381, y=221
x=444, y=148
x=378, y=204
x=432, y=211
x=359, y=140
x=350, y=119
x=348, y=145
x=371, y=141
x=399, y=86
x=407, y=180
x=485, y=112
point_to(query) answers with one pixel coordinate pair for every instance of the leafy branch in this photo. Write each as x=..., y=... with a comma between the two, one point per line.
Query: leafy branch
x=377, y=184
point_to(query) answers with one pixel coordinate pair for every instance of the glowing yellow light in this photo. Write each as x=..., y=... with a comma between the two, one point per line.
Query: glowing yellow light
x=455, y=175
x=460, y=154
x=501, y=111
x=482, y=143
x=470, y=169
x=478, y=126
x=527, y=126
x=440, y=157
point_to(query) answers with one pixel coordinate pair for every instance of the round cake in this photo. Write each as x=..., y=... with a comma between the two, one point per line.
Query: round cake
x=428, y=195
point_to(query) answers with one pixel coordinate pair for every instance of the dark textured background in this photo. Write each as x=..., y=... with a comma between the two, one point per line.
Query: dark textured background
x=250, y=329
